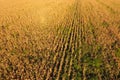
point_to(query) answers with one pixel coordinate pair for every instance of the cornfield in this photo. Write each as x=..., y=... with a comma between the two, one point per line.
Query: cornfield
x=60, y=40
